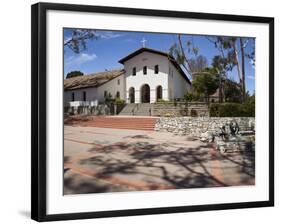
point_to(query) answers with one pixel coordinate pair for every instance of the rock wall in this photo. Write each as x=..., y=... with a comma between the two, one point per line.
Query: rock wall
x=180, y=109
x=102, y=109
x=195, y=126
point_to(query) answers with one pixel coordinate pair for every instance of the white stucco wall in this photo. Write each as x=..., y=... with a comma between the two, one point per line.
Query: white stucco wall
x=112, y=87
x=172, y=82
x=91, y=95
x=97, y=93
x=153, y=80
x=178, y=86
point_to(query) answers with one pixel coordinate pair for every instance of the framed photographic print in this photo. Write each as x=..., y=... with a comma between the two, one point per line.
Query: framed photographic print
x=139, y=111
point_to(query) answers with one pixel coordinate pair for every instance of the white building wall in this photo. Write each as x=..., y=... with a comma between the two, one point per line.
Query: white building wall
x=178, y=85
x=112, y=87
x=91, y=95
x=153, y=80
x=97, y=93
x=172, y=82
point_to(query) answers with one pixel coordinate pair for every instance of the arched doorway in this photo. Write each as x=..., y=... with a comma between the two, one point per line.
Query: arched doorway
x=159, y=93
x=145, y=93
x=132, y=95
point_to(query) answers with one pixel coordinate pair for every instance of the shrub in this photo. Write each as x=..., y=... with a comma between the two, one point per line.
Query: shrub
x=161, y=101
x=168, y=115
x=231, y=110
x=214, y=110
x=191, y=97
x=249, y=106
x=246, y=109
x=119, y=101
x=164, y=101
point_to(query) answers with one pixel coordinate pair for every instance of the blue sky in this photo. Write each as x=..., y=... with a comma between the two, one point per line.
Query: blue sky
x=105, y=52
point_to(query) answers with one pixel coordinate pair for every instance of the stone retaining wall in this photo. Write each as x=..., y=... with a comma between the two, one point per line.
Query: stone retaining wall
x=179, y=109
x=195, y=126
x=102, y=109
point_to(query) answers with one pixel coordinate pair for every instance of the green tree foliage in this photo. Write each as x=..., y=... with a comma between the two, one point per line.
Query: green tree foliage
x=191, y=97
x=74, y=74
x=221, y=64
x=234, y=51
x=232, y=91
x=206, y=83
x=249, y=105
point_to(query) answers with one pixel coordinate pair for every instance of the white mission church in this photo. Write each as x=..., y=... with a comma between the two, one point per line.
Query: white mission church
x=148, y=75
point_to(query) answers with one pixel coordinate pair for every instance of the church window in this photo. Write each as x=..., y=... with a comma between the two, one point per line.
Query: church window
x=73, y=97
x=144, y=70
x=118, y=81
x=134, y=71
x=156, y=69
x=105, y=94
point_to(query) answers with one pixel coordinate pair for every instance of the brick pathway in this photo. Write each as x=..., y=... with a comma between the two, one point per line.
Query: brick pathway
x=133, y=123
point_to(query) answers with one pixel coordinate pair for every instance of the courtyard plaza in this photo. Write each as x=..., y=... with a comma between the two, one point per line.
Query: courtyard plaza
x=100, y=160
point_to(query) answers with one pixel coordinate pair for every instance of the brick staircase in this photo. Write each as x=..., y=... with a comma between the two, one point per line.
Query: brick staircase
x=123, y=123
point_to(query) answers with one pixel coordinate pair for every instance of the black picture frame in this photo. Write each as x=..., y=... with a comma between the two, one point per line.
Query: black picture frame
x=39, y=108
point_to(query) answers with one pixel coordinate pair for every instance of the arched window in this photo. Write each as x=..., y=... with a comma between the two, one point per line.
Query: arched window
x=134, y=71
x=159, y=93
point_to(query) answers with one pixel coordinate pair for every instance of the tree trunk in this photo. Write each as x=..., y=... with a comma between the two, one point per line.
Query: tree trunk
x=243, y=68
x=238, y=64
x=220, y=89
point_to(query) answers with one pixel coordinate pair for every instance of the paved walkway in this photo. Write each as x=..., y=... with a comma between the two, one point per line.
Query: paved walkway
x=110, y=160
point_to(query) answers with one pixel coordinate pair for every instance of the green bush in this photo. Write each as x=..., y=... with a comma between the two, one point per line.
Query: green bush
x=214, y=109
x=164, y=101
x=168, y=115
x=119, y=101
x=231, y=110
x=161, y=101
x=246, y=109
x=249, y=106
x=191, y=97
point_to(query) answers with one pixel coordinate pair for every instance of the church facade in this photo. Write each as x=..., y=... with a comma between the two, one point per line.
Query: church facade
x=148, y=76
